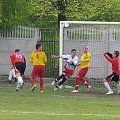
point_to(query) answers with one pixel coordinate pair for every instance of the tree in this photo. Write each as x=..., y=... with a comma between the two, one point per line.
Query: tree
x=12, y=13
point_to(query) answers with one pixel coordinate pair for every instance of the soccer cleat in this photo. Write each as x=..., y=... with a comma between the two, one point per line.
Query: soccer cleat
x=53, y=83
x=60, y=87
x=17, y=89
x=33, y=87
x=89, y=90
x=109, y=93
x=41, y=91
x=9, y=81
x=89, y=86
x=74, y=91
x=55, y=88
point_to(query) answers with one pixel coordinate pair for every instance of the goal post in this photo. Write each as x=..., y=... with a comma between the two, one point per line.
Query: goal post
x=99, y=36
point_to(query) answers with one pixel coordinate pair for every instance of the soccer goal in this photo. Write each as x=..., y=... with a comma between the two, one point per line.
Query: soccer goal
x=99, y=36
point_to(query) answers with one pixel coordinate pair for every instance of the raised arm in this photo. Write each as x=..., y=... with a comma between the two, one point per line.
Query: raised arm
x=108, y=58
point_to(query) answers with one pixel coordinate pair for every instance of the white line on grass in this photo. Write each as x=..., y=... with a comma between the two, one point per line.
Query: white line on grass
x=40, y=113
x=58, y=114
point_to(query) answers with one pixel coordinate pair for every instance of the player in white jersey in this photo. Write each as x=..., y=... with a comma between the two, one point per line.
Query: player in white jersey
x=68, y=70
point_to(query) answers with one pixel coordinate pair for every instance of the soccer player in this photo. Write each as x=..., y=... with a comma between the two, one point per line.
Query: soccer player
x=114, y=60
x=38, y=58
x=84, y=64
x=68, y=70
x=12, y=75
x=18, y=62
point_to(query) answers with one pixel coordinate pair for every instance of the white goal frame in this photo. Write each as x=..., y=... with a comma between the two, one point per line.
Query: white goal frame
x=66, y=24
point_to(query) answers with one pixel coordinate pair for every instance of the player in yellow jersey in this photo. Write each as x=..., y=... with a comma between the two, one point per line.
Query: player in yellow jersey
x=84, y=64
x=38, y=58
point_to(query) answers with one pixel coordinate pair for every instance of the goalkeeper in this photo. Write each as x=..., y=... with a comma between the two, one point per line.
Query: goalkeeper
x=114, y=60
x=68, y=70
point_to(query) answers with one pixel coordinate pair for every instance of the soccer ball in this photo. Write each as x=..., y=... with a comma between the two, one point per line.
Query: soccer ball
x=66, y=25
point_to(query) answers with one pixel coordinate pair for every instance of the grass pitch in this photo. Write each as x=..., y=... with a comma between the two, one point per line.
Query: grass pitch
x=56, y=105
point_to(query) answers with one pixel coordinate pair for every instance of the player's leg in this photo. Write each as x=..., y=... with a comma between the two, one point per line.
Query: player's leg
x=57, y=79
x=19, y=82
x=18, y=68
x=63, y=79
x=10, y=76
x=66, y=74
x=77, y=84
x=23, y=67
x=34, y=74
x=82, y=74
x=14, y=76
x=118, y=86
x=80, y=78
x=106, y=83
x=116, y=79
x=41, y=74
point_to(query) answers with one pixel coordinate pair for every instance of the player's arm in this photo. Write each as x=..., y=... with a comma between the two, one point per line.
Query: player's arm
x=108, y=58
x=55, y=56
x=109, y=54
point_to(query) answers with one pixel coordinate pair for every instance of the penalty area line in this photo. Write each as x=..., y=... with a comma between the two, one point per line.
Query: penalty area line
x=58, y=114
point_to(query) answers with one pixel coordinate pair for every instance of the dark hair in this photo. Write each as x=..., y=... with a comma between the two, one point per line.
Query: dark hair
x=116, y=53
x=73, y=50
x=17, y=50
x=38, y=45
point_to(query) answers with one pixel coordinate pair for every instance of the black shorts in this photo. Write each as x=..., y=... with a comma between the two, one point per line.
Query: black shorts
x=20, y=66
x=113, y=77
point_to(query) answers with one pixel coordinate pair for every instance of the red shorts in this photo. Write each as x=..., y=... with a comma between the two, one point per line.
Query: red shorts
x=68, y=71
x=38, y=70
x=82, y=72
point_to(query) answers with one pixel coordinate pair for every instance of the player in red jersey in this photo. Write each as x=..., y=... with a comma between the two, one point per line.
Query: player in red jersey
x=115, y=61
x=18, y=62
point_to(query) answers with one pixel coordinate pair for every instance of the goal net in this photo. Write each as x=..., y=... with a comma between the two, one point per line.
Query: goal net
x=99, y=36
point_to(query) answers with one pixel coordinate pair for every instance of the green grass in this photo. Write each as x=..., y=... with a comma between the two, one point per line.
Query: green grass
x=56, y=105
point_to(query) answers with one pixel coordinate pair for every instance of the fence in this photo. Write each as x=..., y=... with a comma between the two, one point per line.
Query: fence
x=25, y=38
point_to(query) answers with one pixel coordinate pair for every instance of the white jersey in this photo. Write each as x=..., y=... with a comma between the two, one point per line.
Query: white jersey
x=69, y=59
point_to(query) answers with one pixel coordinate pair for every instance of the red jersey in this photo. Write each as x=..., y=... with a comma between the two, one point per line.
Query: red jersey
x=115, y=64
x=16, y=57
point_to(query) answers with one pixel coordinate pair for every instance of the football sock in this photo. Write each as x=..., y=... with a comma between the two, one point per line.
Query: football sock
x=107, y=86
x=33, y=82
x=41, y=83
x=58, y=78
x=77, y=83
x=85, y=82
x=76, y=87
x=10, y=75
x=63, y=80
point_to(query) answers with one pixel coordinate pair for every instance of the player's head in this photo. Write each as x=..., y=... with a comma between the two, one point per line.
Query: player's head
x=38, y=46
x=115, y=54
x=17, y=50
x=73, y=52
x=86, y=48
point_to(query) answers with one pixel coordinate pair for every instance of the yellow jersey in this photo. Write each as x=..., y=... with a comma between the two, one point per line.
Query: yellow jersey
x=85, y=60
x=38, y=58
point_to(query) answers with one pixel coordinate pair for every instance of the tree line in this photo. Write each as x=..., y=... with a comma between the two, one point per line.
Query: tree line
x=48, y=13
